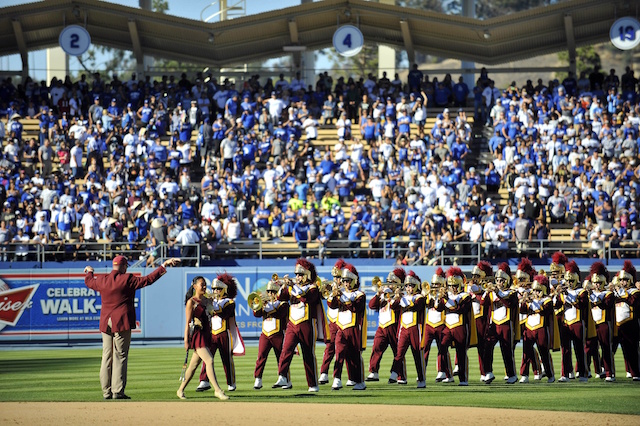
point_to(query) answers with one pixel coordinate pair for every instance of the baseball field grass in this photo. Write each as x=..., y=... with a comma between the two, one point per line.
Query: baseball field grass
x=72, y=375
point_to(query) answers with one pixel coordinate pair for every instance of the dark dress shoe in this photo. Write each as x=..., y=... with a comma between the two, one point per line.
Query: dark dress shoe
x=121, y=396
x=107, y=397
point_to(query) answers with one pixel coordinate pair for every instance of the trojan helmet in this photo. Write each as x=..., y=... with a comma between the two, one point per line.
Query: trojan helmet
x=525, y=273
x=350, y=273
x=227, y=283
x=558, y=260
x=272, y=286
x=541, y=283
x=599, y=275
x=336, y=271
x=483, y=270
x=455, y=278
x=396, y=277
x=572, y=274
x=504, y=272
x=587, y=284
x=306, y=268
x=628, y=272
x=413, y=280
x=438, y=279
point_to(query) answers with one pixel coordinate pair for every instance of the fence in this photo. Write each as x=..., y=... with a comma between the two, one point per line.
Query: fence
x=428, y=253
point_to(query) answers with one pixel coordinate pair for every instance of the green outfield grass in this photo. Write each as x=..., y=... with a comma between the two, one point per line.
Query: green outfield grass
x=72, y=375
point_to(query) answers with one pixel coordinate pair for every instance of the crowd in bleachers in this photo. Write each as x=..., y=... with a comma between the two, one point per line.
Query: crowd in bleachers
x=178, y=161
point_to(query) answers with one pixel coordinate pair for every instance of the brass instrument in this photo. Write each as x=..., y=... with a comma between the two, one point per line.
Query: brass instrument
x=559, y=289
x=257, y=300
x=428, y=290
x=396, y=294
x=442, y=293
x=376, y=284
x=327, y=288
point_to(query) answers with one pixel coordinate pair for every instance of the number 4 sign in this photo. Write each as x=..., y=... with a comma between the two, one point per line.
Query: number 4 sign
x=348, y=40
x=625, y=33
x=74, y=40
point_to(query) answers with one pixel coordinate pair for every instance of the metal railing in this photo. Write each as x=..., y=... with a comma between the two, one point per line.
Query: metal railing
x=58, y=251
x=458, y=252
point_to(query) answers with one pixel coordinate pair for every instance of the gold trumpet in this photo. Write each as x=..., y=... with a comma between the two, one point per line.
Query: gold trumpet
x=327, y=288
x=427, y=290
x=376, y=284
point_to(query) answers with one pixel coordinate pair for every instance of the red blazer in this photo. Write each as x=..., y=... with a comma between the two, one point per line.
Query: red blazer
x=118, y=292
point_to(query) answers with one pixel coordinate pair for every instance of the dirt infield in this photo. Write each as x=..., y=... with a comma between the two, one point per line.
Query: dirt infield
x=239, y=413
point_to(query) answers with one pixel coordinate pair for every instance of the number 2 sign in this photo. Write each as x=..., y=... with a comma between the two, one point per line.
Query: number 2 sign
x=348, y=40
x=74, y=40
x=625, y=33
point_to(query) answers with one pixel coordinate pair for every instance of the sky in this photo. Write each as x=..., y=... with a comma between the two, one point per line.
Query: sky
x=37, y=59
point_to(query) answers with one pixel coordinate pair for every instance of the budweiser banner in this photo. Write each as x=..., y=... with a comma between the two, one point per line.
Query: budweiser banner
x=49, y=306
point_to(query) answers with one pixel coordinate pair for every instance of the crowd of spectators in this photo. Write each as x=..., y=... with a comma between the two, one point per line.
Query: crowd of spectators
x=119, y=161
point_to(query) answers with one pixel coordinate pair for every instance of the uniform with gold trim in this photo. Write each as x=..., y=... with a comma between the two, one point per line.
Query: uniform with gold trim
x=332, y=316
x=603, y=314
x=522, y=284
x=627, y=309
x=351, y=338
x=434, y=326
x=388, y=307
x=538, y=331
x=556, y=281
x=412, y=308
x=225, y=335
x=574, y=302
x=274, y=315
x=459, y=322
x=501, y=303
x=481, y=275
x=306, y=324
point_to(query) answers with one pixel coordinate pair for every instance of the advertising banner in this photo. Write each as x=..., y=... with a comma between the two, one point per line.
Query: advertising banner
x=43, y=306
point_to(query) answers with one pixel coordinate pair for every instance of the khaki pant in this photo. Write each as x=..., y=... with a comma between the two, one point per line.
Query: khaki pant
x=115, y=354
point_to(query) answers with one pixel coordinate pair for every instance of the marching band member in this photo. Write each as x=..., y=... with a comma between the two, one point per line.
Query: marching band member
x=574, y=302
x=591, y=342
x=197, y=312
x=501, y=304
x=459, y=323
x=522, y=285
x=306, y=324
x=388, y=308
x=274, y=315
x=410, y=331
x=332, y=315
x=538, y=308
x=627, y=308
x=602, y=311
x=434, y=326
x=351, y=337
x=481, y=273
x=225, y=335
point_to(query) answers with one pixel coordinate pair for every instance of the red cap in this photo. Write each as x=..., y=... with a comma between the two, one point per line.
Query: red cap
x=119, y=260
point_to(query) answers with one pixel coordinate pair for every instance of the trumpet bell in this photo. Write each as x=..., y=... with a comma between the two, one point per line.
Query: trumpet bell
x=255, y=301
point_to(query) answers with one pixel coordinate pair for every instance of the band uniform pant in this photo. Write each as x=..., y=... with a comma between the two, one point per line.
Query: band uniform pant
x=459, y=337
x=574, y=333
x=504, y=334
x=542, y=340
x=305, y=335
x=384, y=338
x=265, y=344
x=628, y=336
x=222, y=342
x=349, y=352
x=330, y=349
x=409, y=337
x=434, y=334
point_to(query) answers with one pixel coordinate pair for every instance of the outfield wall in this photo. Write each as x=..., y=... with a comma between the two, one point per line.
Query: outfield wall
x=54, y=305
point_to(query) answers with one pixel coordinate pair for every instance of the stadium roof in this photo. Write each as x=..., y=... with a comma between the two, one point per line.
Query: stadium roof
x=511, y=37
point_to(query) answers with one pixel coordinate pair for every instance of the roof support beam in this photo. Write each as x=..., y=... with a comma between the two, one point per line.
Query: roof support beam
x=571, y=41
x=408, y=41
x=295, y=39
x=22, y=47
x=137, y=47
